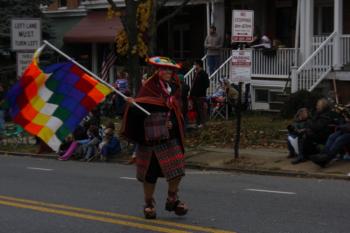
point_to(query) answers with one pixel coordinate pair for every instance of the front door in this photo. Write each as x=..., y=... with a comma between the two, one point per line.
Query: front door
x=181, y=40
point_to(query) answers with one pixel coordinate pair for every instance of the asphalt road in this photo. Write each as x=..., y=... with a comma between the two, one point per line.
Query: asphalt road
x=47, y=196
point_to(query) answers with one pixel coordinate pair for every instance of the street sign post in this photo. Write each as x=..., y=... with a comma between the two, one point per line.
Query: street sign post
x=240, y=71
x=25, y=34
x=242, y=32
x=241, y=66
x=242, y=26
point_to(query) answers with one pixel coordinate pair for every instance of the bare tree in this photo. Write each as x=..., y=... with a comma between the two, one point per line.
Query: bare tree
x=129, y=21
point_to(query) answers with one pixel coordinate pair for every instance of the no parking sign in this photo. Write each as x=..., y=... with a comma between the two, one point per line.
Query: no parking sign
x=241, y=66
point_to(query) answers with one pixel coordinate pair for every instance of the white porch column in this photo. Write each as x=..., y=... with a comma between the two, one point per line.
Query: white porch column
x=338, y=27
x=294, y=81
x=302, y=29
x=219, y=18
x=208, y=17
x=297, y=34
x=309, y=26
x=212, y=20
x=94, y=58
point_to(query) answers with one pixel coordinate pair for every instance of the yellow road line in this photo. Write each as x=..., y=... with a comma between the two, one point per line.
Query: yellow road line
x=122, y=216
x=91, y=217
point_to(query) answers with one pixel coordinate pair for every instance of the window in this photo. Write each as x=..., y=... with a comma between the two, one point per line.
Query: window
x=267, y=96
x=323, y=20
x=62, y=3
x=182, y=39
x=262, y=95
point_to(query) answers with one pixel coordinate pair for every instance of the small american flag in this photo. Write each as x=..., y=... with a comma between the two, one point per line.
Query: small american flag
x=107, y=64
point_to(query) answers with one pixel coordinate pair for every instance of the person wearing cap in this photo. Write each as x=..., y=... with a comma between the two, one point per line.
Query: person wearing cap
x=160, y=136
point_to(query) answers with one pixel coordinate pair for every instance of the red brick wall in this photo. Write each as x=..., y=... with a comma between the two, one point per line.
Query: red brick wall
x=53, y=6
x=71, y=4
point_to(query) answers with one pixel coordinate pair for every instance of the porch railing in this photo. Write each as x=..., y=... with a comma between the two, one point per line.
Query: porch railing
x=317, y=41
x=272, y=66
x=345, y=48
x=315, y=68
x=267, y=66
x=222, y=72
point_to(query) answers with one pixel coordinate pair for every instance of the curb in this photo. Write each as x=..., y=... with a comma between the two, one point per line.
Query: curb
x=270, y=172
x=45, y=156
x=200, y=166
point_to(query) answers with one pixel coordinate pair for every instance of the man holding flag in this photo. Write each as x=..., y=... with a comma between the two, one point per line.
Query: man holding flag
x=160, y=136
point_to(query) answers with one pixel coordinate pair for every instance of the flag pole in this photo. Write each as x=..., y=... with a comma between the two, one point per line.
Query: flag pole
x=94, y=75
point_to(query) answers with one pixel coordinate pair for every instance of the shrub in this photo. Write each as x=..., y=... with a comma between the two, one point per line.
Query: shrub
x=299, y=99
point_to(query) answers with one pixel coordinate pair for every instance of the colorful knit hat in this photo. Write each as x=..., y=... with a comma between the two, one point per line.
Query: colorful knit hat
x=163, y=62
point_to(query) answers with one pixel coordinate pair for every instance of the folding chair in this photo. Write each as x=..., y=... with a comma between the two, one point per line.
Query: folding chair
x=218, y=108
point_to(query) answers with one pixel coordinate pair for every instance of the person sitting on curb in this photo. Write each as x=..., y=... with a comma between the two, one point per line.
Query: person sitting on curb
x=67, y=142
x=89, y=149
x=317, y=131
x=296, y=134
x=110, y=145
x=335, y=144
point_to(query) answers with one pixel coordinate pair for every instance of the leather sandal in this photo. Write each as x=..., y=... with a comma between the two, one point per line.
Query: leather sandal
x=149, y=210
x=174, y=204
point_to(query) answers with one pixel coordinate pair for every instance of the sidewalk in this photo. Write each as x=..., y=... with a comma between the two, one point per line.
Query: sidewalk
x=263, y=161
x=255, y=161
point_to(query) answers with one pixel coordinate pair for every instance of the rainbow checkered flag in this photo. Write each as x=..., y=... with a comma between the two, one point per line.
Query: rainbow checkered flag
x=51, y=102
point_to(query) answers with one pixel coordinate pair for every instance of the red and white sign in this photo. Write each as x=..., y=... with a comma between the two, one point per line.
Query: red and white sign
x=241, y=66
x=242, y=26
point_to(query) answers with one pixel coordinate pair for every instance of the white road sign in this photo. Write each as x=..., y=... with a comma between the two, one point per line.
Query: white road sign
x=23, y=61
x=25, y=34
x=241, y=66
x=242, y=26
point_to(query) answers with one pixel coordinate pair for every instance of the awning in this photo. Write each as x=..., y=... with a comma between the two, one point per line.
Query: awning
x=94, y=28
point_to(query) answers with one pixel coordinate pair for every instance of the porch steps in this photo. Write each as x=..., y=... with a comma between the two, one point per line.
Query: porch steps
x=346, y=67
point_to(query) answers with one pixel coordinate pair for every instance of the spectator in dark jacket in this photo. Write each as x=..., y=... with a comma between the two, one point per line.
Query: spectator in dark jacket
x=110, y=145
x=296, y=132
x=335, y=144
x=318, y=130
x=198, y=91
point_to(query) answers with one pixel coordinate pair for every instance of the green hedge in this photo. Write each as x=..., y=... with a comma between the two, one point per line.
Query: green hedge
x=299, y=99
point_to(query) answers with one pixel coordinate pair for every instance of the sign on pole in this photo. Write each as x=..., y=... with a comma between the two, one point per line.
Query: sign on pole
x=23, y=61
x=242, y=26
x=25, y=34
x=241, y=66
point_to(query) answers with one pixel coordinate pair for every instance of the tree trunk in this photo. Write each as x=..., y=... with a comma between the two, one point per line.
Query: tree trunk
x=152, y=46
x=133, y=64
